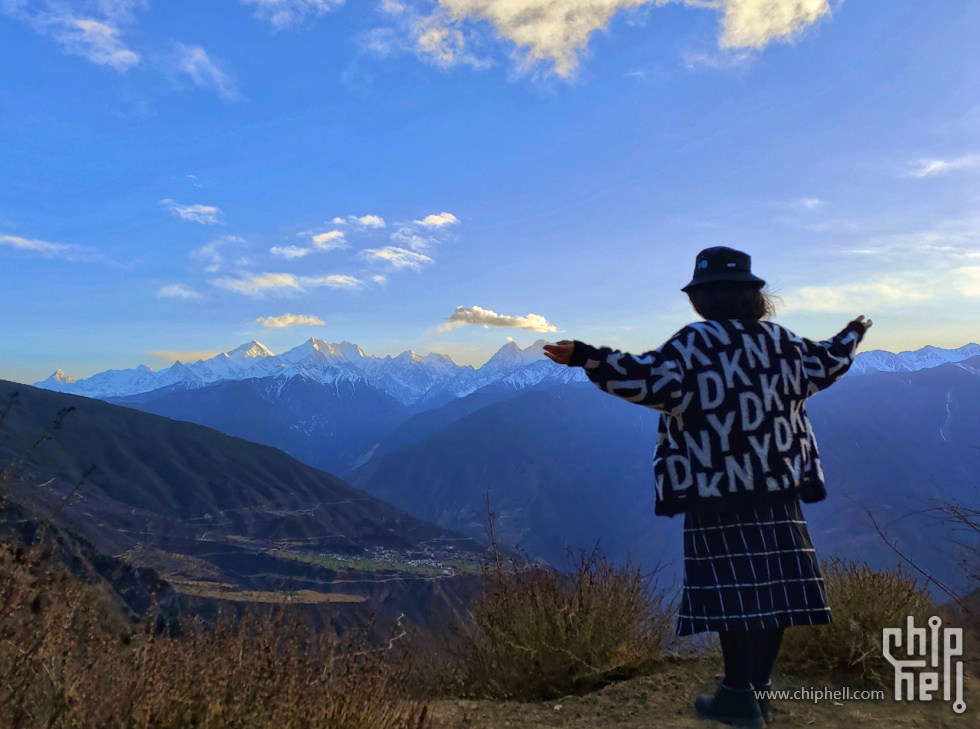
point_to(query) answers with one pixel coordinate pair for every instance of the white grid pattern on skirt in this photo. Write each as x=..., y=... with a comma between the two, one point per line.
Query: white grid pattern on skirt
x=755, y=568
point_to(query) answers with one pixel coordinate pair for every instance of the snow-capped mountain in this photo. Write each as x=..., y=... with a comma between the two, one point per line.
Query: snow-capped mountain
x=428, y=380
x=408, y=378
x=878, y=360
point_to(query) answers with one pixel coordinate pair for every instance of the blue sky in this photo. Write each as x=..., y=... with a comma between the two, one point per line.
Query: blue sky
x=176, y=178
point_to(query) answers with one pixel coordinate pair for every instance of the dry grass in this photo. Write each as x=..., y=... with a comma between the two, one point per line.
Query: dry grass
x=864, y=602
x=67, y=660
x=537, y=633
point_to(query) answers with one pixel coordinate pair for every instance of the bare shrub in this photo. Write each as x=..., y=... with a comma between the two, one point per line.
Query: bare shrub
x=67, y=662
x=864, y=602
x=538, y=633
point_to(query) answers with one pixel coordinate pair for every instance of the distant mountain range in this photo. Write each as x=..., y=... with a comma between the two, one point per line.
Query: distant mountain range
x=409, y=378
x=564, y=465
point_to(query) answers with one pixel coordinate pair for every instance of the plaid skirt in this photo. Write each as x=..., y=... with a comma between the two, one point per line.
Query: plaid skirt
x=751, y=568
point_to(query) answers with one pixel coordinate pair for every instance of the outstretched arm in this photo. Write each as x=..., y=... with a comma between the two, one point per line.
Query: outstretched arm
x=826, y=362
x=652, y=379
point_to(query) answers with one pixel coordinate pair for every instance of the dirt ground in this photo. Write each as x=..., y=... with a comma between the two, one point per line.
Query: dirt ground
x=665, y=701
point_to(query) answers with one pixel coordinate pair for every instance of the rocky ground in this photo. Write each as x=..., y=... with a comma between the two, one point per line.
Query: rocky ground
x=665, y=700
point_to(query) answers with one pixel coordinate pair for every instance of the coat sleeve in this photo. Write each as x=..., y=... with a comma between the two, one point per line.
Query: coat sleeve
x=826, y=362
x=652, y=379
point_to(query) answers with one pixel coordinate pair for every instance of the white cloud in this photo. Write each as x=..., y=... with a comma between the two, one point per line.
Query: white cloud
x=287, y=13
x=95, y=41
x=33, y=245
x=443, y=45
x=755, y=23
x=211, y=254
x=289, y=320
x=95, y=38
x=265, y=283
x=290, y=252
x=178, y=291
x=390, y=6
x=475, y=315
x=259, y=284
x=437, y=221
x=408, y=237
x=364, y=221
x=203, y=214
x=806, y=203
x=966, y=280
x=397, y=258
x=334, y=281
x=556, y=32
x=930, y=167
x=194, y=61
x=380, y=279
x=329, y=241
x=889, y=292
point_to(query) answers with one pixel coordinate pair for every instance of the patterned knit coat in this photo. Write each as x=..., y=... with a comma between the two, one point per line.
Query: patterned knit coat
x=734, y=428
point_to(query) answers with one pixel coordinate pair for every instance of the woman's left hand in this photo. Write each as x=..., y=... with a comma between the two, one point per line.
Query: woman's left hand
x=560, y=352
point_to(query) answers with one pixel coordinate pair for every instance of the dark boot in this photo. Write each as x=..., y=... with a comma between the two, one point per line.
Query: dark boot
x=736, y=707
x=765, y=704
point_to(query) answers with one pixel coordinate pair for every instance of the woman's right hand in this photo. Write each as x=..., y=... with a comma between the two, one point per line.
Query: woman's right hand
x=560, y=352
x=866, y=324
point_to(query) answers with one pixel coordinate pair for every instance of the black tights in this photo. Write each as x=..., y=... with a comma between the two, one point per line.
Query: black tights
x=749, y=656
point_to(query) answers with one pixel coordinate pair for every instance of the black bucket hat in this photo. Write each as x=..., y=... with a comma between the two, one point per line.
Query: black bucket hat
x=723, y=264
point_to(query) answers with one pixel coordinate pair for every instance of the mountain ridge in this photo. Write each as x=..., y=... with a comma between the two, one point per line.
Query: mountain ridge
x=424, y=380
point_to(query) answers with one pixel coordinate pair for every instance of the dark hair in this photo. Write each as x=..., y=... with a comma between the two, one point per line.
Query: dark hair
x=732, y=300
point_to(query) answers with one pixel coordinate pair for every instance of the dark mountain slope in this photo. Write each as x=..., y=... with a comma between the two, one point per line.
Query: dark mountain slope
x=568, y=466
x=325, y=426
x=183, y=470
x=563, y=468
x=213, y=513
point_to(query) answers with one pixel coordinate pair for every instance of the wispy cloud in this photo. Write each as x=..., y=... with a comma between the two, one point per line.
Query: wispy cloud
x=808, y=204
x=442, y=44
x=893, y=271
x=288, y=13
x=334, y=281
x=756, y=23
x=397, y=258
x=259, y=284
x=888, y=292
x=285, y=283
x=478, y=316
x=437, y=221
x=177, y=291
x=94, y=40
x=364, y=221
x=212, y=254
x=408, y=237
x=966, y=280
x=195, y=63
x=94, y=37
x=33, y=245
x=931, y=167
x=331, y=240
x=289, y=320
x=290, y=252
x=204, y=214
